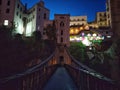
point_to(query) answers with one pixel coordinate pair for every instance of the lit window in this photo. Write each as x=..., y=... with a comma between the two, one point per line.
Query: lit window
x=6, y=22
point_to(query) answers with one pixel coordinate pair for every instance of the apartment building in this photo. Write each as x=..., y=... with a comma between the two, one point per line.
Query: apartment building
x=78, y=20
x=101, y=19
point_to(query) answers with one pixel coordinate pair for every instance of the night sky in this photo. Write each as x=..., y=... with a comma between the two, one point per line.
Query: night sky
x=72, y=7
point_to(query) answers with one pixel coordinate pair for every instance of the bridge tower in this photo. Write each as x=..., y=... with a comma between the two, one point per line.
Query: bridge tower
x=62, y=23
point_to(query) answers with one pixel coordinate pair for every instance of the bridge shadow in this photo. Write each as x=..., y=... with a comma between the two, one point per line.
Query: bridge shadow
x=60, y=80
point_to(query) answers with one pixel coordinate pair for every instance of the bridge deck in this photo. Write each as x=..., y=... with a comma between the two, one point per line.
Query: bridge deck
x=60, y=81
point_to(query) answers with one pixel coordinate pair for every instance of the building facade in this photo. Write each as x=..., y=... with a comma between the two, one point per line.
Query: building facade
x=25, y=20
x=78, y=20
x=101, y=19
x=62, y=23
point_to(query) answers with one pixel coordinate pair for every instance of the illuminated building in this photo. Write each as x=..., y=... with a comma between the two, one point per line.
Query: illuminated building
x=93, y=25
x=78, y=20
x=25, y=21
x=101, y=19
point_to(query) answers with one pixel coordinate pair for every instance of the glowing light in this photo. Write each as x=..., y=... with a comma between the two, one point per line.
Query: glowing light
x=71, y=31
x=89, y=35
x=76, y=31
x=81, y=28
x=6, y=22
x=29, y=29
x=81, y=38
x=86, y=42
x=87, y=27
x=94, y=35
x=108, y=36
x=72, y=39
x=83, y=34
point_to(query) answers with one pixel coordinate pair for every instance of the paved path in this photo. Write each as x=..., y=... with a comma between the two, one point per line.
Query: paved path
x=60, y=81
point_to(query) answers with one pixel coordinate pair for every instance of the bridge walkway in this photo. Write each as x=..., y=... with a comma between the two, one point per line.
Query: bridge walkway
x=60, y=80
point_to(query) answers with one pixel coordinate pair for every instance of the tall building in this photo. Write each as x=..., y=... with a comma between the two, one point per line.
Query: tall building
x=25, y=20
x=62, y=22
x=101, y=19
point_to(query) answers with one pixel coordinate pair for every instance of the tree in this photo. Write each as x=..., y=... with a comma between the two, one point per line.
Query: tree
x=37, y=35
x=51, y=31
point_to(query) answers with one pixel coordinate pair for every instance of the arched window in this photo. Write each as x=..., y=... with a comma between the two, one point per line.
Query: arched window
x=62, y=24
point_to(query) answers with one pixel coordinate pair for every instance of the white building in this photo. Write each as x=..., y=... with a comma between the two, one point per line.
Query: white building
x=25, y=21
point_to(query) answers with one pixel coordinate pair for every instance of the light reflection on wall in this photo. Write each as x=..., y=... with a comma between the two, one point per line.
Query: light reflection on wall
x=29, y=29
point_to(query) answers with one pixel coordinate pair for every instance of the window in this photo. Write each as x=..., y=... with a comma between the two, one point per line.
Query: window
x=39, y=9
x=83, y=19
x=6, y=22
x=0, y=2
x=61, y=39
x=61, y=24
x=100, y=14
x=8, y=3
x=44, y=15
x=61, y=32
x=7, y=10
x=21, y=9
x=61, y=17
x=17, y=13
x=18, y=6
x=20, y=16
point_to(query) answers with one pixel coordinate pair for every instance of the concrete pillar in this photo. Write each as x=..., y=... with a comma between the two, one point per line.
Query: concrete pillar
x=115, y=20
x=115, y=16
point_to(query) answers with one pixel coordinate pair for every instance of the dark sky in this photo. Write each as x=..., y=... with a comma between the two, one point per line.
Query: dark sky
x=72, y=7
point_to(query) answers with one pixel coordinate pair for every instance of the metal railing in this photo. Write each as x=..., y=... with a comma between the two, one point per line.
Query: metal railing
x=86, y=80
x=32, y=79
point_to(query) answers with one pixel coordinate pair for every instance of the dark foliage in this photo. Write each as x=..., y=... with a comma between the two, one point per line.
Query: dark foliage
x=18, y=51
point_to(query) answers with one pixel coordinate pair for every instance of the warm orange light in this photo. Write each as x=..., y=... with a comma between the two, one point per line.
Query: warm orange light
x=81, y=28
x=71, y=31
x=87, y=27
x=76, y=31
